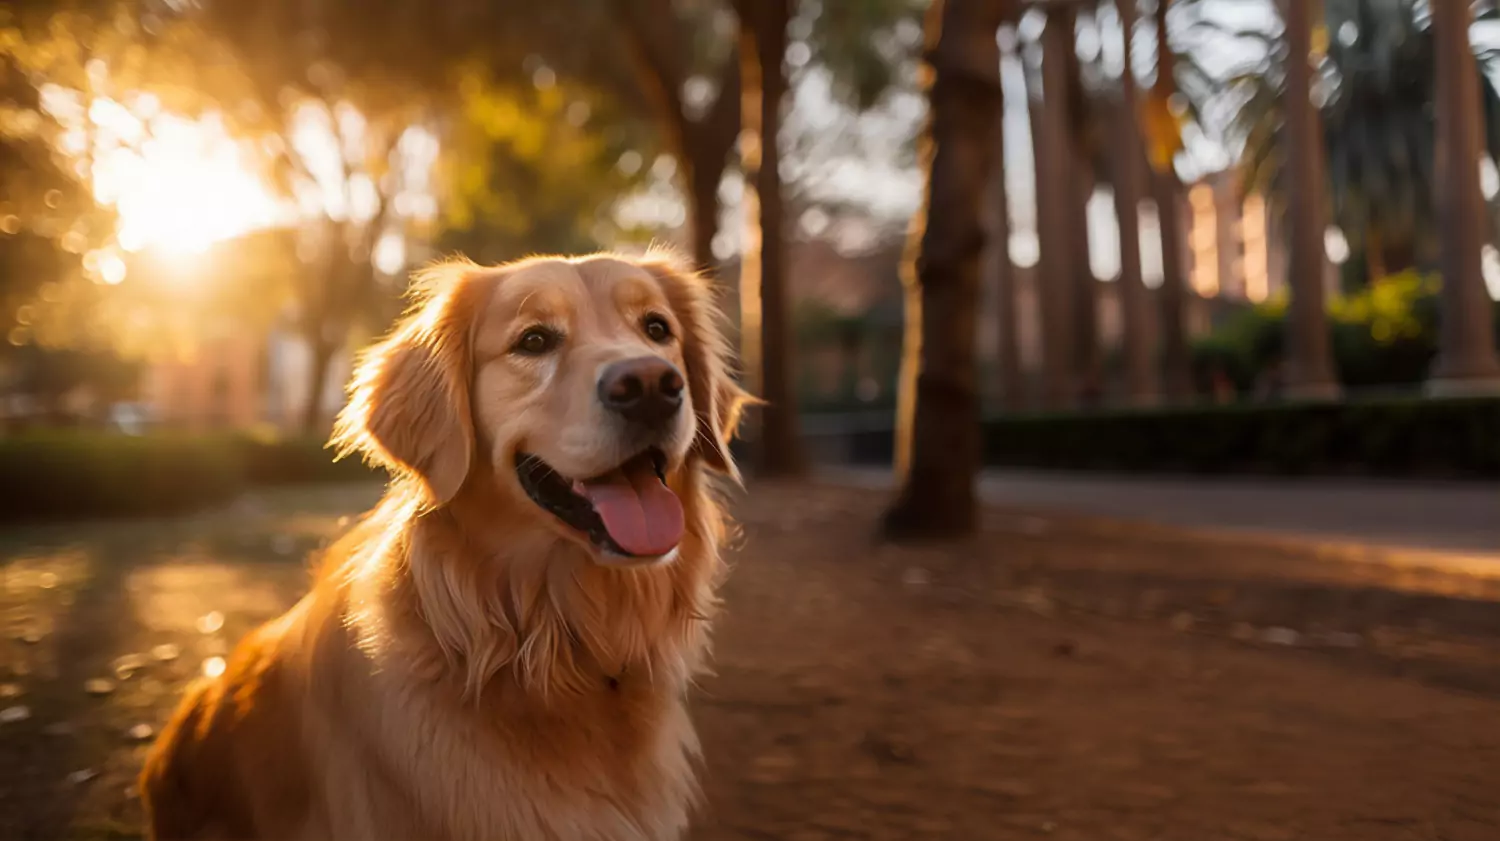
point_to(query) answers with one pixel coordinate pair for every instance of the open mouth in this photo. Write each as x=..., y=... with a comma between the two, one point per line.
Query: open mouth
x=628, y=511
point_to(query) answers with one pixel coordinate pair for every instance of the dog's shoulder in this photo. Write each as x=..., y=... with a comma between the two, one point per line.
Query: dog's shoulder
x=226, y=761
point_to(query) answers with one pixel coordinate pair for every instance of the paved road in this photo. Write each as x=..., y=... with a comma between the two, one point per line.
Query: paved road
x=1437, y=517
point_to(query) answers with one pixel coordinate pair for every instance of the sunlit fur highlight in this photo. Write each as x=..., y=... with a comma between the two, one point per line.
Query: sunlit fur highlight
x=456, y=671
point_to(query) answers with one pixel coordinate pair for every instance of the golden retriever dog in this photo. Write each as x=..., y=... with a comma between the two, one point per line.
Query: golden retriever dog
x=500, y=650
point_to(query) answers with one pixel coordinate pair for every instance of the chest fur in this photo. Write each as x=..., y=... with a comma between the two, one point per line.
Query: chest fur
x=614, y=765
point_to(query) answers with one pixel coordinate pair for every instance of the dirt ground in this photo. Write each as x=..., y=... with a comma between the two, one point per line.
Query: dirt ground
x=1052, y=678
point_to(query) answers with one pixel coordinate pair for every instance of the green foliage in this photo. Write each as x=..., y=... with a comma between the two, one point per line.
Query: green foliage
x=1388, y=332
x=863, y=44
x=533, y=169
x=1378, y=130
x=55, y=475
x=1249, y=343
x=1383, y=335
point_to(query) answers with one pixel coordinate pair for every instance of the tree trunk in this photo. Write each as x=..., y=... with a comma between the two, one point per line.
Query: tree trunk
x=779, y=451
x=998, y=266
x=1309, y=359
x=1167, y=190
x=659, y=43
x=1057, y=258
x=1177, y=371
x=1089, y=376
x=1467, y=361
x=940, y=435
x=703, y=177
x=1081, y=178
x=319, y=360
x=1140, y=375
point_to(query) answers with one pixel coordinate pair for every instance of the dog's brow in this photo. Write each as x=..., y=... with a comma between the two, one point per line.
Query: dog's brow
x=522, y=305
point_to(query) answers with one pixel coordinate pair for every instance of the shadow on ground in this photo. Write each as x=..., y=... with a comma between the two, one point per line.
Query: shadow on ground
x=1052, y=678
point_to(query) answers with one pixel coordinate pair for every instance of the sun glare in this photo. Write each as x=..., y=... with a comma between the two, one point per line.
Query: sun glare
x=180, y=184
x=183, y=188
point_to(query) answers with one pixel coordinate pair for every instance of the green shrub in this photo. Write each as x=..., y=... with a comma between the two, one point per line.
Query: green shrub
x=51, y=475
x=69, y=474
x=1407, y=437
x=1454, y=438
x=271, y=461
x=1386, y=334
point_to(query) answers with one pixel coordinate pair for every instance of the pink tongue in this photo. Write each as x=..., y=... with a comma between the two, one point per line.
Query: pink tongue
x=639, y=512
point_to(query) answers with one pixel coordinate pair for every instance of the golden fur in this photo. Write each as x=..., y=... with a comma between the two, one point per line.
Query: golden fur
x=464, y=667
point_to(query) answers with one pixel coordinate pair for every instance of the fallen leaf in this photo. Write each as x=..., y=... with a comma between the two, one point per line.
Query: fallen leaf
x=128, y=665
x=915, y=577
x=1280, y=636
x=98, y=686
x=11, y=715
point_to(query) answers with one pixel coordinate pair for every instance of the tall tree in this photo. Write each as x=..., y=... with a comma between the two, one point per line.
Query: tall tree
x=1309, y=358
x=764, y=306
x=1166, y=190
x=1129, y=156
x=1076, y=185
x=1052, y=143
x=699, y=137
x=938, y=448
x=295, y=78
x=997, y=265
x=1378, y=132
x=1467, y=361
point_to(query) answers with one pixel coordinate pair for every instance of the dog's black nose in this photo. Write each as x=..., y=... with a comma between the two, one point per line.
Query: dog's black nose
x=646, y=390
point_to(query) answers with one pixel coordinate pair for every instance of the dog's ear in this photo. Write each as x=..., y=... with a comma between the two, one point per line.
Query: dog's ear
x=408, y=408
x=718, y=400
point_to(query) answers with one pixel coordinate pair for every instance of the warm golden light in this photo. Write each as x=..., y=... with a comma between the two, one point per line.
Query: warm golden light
x=183, y=188
x=1257, y=258
x=1203, y=239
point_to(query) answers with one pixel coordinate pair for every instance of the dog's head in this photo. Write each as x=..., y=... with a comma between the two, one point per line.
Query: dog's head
x=581, y=390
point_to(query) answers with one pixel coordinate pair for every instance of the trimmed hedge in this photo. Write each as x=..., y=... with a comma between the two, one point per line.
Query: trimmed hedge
x=1411, y=437
x=68, y=474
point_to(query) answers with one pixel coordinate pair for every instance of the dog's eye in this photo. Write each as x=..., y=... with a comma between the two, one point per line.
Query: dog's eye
x=537, y=341
x=657, y=328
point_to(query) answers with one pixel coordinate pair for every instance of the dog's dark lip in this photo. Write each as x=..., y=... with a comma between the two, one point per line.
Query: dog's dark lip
x=554, y=493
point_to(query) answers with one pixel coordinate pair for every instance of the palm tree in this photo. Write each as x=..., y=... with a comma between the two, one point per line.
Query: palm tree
x=1309, y=359
x=1378, y=131
x=938, y=447
x=998, y=265
x=1467, y=361
x=1054, y=134
x=1139, y=374
x=1166, y=190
